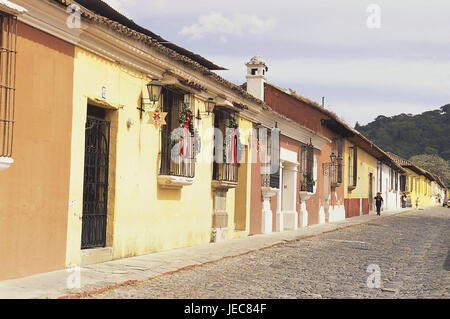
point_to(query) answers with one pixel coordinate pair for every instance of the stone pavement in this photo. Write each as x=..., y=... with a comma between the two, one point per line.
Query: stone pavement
x=102, y=277
x=408, y=252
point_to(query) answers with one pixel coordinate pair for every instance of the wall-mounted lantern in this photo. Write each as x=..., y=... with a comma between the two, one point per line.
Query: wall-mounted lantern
x=333, y=158
x=154, y=92
x=209, y=105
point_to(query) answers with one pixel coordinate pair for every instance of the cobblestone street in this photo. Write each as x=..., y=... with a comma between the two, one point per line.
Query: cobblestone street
x=411, y=250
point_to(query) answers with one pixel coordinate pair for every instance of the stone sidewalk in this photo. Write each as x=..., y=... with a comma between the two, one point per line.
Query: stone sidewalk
x=100, y=277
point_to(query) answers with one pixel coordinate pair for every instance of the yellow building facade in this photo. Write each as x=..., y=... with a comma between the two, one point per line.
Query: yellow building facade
x=418, y=188
x=359, y=179
x=142, y=216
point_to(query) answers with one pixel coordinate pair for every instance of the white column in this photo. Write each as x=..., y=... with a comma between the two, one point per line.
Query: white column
x=290, y=215
x=361, y=181
x=322, y=213
x=304, y=196
x=280, y=224
x=295, y=199
x=267, y=215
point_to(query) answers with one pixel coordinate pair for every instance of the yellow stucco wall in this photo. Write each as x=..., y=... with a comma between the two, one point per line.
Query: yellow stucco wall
x=143, y=217
x=369, y=165
x=240, y=200
x=421, y=189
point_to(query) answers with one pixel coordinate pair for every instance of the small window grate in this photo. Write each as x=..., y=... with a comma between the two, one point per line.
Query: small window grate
x=8, y=46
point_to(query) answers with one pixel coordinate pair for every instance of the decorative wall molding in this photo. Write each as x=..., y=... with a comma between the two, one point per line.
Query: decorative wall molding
x=11, y=8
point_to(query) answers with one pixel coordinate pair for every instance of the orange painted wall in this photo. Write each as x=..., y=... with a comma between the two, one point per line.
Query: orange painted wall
x=34, y=190
x=256, y=197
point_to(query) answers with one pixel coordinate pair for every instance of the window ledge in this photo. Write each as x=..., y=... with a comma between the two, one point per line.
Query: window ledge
x=5, y=163
x=304, y=195
x=351, y=188
x=269, y=191
x=223, y=184
x=174, y=182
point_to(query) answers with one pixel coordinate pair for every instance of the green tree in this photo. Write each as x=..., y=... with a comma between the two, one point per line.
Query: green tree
x=434, y=164
x=407, y=135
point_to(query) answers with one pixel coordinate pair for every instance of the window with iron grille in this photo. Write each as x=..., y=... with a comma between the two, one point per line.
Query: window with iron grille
x=227, y=153
x=403, y=183
x=307, y=182
x=350, y=166
x=353, y=166
x=336, y=165
x=271, y=176
x=8, y=52
x=177, y=156
x=303, y=164
x=396, y=180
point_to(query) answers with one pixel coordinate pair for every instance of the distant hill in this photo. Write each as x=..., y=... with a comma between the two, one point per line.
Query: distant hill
x=408, y=135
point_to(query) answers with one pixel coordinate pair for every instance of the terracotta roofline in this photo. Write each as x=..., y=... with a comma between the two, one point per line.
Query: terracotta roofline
x=335, y=117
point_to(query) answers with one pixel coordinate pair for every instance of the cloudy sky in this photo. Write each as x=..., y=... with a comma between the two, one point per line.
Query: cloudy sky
x=367, y=58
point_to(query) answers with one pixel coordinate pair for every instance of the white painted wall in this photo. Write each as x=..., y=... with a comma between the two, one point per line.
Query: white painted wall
x=391, y=196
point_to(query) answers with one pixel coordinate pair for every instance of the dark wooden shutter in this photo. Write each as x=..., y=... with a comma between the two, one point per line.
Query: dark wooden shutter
x=396, y=180
x=310, y=168
x=403, y=183
x=355, y=165
x=381, y=177
x=275, y=159
x=339, y=159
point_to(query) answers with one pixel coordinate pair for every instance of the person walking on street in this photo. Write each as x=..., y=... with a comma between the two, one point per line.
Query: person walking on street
x=417, y=203
x=404, y=200
x=378, y=203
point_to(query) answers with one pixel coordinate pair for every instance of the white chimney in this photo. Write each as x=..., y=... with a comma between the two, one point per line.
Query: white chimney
x=256, y=77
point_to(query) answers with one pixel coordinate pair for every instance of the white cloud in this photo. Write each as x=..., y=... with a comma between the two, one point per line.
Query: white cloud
x=215, y=23
x=340, y=23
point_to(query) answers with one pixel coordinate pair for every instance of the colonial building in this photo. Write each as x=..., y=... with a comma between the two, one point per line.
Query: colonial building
x=339, y=170
x=305, y=194
x=437, y=190
x=415, y=183
x=364, y=163
x=35, y=136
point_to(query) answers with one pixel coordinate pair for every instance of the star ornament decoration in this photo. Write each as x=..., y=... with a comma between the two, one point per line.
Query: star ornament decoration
x=157, y=118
